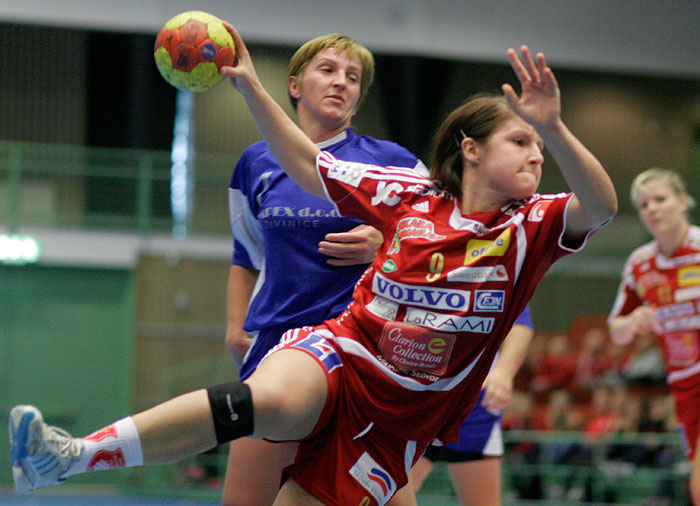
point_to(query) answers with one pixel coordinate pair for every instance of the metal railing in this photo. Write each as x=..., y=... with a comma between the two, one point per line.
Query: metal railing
x=56, y=185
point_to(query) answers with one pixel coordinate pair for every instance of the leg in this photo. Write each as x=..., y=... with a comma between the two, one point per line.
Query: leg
x=175, y=429
x=694, y=484
x=407, y=495
x=289, y=392
x=291, y=494
x=183, y=426
x=254, y=471
x=287, y=399
x=477, y=482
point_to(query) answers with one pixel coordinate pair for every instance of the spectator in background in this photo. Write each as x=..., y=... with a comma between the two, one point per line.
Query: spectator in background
x=558, y=367
x=562, y=416
x=533, y=363
x=521, y=415
x=645, y=363
x=594, y=361
x=604, y=417
x=561, y=413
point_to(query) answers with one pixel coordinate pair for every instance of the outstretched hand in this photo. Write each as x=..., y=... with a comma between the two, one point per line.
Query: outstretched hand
x=539, y=103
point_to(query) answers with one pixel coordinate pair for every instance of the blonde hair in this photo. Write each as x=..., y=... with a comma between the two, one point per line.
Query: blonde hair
x=342, y=44
x=655, y=173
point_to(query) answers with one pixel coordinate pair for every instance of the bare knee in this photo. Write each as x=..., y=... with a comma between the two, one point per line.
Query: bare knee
x=289, y=391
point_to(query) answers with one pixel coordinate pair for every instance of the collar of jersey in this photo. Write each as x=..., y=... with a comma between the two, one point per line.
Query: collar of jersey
x=329, y=142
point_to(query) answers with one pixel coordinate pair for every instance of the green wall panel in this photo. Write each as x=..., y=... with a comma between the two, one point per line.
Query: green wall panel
x=66, y=340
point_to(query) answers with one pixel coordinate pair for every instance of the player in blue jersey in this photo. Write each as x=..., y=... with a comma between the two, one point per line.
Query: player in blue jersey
x=295, y=259
x=474, y=462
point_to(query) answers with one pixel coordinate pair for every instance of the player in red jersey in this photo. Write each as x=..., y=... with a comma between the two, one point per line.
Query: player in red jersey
x=660, y=294
x=403, y=365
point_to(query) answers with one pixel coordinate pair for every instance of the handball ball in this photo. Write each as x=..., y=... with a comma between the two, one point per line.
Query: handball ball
x=191, y=48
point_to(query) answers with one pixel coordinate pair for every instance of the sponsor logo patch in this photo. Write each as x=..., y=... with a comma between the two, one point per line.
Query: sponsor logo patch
x=346, y=172
x=682, y=348
x=684, y=294
x=105, y=459
x=448, y=322
x=478, y=248
x=683, y=309
x=373, y=478
x=688, y=276
x=489, y=300
x=318, y=346
x=386, y=193
x=413, y=228
x=389, y=266
x=682, y=323
x=478, y=274
x=383, y=308
x=421, y=207
x=538, y=210
x=109, y=431
x=649, y=280
x=410, y=348
x=415, y=295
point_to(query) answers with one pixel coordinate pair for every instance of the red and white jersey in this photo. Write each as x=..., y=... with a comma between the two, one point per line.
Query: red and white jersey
x=671, y=285
x=442, y=293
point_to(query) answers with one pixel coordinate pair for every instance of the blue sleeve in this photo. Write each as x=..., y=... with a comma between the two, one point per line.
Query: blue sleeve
x=248, y=240
x=525, y=318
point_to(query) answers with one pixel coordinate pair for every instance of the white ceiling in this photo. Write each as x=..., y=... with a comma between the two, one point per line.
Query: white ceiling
x=637, y=36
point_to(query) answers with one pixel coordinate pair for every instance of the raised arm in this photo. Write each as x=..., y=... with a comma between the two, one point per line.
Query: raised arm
x=595, y=200
x=293, y=150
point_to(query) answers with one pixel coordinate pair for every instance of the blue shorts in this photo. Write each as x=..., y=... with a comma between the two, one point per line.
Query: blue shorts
x=262, y=343
x=479, y=436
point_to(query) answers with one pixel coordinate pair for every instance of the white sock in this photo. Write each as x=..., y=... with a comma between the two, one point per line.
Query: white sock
x=117, y=445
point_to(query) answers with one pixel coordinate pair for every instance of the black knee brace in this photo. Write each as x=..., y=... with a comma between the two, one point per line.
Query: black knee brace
x=232, y=410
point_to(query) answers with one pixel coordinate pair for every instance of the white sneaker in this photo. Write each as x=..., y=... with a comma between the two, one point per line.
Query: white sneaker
x=39, y=453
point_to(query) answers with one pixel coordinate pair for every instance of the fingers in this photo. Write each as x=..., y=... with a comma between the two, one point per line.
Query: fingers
x=341, y=250
x=526, y=68
x=533, y=71
x=510, y=95
x=523, y=65
x=241, y=49
x=344, y=262
x=237, y=39
x=517, y=65
x=345, y=237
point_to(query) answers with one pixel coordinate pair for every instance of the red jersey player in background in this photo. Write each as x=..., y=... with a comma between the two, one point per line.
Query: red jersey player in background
x=366, y=392
x=660, y=294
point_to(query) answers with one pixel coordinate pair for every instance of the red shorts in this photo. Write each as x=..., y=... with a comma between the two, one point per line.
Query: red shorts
x=346, y=459
x=686, y=397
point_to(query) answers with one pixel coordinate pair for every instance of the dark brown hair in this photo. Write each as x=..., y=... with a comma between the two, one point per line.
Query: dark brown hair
x=477, y=118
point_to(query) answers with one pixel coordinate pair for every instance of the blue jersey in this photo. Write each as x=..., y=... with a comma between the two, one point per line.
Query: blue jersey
x=277, y=227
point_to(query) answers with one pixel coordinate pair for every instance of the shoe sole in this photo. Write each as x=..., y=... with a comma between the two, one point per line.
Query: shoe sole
x=22, y=483
x=21, y=418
